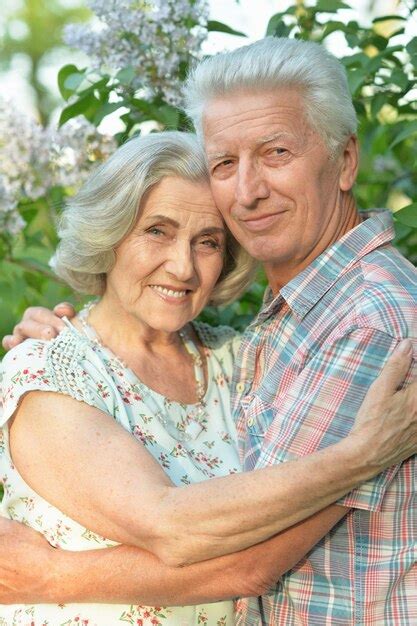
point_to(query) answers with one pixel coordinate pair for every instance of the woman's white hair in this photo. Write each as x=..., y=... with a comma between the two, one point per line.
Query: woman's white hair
x=106, y=208
x=271, y=64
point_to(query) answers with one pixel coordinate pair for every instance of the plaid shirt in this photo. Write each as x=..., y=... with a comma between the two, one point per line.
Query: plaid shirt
x=304, y=368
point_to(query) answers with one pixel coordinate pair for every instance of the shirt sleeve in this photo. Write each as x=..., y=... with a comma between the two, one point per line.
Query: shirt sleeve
x=59, y=366
x=321, y=404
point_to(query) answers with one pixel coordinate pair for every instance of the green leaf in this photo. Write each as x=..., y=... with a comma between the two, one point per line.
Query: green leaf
x=411, y=47
x=356, y=78
x=87, y=106
x=169, y=116
x=126, y=75
x=97, y=86
x=219, y=27
x=385, y=18
x=410, y=129
x=73, y=81
x=357, y=60
x=401, y=231
x=398, y=77
x=330, y=6
x=378, y=41
x=106, y=109
x=277, y=27
x=332, y=27
x=63, y=74
x=377, y=102
x=407, y=215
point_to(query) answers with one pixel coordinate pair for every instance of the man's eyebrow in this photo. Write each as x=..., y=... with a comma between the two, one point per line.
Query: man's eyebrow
x=213, y=156
x=273, y=137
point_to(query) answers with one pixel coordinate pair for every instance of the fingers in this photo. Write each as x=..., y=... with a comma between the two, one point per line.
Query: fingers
x=393, y=372
x=409, y=396
x=39, y=322
x=64, y=309
x=9, y=341
x=42, y=316
x=35, y=330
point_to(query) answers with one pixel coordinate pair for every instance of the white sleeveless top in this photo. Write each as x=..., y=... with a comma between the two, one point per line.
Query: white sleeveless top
x=74, y=364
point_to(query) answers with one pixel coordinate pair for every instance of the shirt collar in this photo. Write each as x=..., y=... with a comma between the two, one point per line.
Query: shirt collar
x=306, y=289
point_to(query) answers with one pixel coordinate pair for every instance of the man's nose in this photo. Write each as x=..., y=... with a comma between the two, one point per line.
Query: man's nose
x=251, y=185
x=180, y=262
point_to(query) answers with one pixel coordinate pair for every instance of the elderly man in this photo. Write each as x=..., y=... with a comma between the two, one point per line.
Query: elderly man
x=279, y=128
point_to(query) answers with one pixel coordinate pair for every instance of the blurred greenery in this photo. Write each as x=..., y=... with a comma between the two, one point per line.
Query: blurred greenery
x=33, y=29
x=382, y=75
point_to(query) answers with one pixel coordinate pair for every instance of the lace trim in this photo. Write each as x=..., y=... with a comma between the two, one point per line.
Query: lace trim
x=63, y=358
x=214, y=337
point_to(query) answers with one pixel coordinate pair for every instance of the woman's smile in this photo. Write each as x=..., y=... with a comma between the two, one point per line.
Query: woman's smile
x=169, y=264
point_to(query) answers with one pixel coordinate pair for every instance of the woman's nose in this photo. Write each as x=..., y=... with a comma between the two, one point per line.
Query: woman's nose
x=180, y=263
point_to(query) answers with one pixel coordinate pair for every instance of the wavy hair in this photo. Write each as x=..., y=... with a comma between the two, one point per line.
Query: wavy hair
x=271, y=64
x=106, y=208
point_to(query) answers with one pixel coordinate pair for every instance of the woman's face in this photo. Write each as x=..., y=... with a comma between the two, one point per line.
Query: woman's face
x=167, y=267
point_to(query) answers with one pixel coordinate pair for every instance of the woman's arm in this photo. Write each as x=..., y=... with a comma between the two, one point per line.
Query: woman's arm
x=31, y=571
x=102, y=477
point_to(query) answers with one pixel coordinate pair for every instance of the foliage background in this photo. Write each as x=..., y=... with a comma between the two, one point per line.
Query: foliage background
x=381, y=63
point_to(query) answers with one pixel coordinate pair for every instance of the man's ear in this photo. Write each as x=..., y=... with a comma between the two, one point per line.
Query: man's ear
x=350, y=163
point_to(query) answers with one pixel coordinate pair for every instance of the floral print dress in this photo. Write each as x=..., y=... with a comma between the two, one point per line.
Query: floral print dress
x=189, y=451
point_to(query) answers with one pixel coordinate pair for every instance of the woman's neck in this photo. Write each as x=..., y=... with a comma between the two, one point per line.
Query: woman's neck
x=118, y=329
x=158, y=358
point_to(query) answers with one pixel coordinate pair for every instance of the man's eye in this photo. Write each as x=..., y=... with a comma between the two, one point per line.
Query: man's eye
x=223, y=164
x=279, y=151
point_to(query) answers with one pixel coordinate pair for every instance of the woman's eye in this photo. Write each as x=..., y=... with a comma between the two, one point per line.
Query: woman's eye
x=154, y=230
x=210, y=243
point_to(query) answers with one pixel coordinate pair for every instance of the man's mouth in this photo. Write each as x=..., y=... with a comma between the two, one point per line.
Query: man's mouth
x=260, y=222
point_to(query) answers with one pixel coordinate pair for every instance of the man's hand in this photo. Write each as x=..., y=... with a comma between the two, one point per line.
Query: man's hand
x=388, y=418
x=39, y=323
x=26, y=561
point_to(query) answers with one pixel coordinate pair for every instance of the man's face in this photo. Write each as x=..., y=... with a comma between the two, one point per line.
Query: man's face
x=273, y=180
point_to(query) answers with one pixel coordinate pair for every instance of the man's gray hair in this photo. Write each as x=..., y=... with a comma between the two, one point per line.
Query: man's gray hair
x=106, y=208
x=271, y=64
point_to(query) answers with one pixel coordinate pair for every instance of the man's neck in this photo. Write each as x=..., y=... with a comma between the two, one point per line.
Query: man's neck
x=280, y=275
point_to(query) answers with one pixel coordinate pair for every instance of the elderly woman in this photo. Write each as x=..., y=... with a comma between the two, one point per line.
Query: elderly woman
x=106, y=427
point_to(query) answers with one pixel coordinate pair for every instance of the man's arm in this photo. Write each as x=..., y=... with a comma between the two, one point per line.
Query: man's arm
x=31, y=571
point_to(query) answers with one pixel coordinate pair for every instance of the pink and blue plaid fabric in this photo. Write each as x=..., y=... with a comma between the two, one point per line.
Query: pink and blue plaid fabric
x=304, y=368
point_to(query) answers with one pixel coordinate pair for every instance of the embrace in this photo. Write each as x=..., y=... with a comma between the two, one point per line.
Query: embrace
x=113, y=427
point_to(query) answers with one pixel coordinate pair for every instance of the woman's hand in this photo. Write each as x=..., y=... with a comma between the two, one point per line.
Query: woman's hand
x=39, y=323
x=26, y=564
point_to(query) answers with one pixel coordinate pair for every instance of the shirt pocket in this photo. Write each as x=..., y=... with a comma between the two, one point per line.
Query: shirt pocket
x=258, y=416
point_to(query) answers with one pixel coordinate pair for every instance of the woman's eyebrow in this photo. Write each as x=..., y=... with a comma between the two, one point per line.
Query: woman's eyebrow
x=162, y=218
x=208, y=230
x=211, y=230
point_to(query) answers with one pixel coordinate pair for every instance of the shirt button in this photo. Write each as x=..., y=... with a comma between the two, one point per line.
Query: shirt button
x=240, y=387
x=250, y=422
